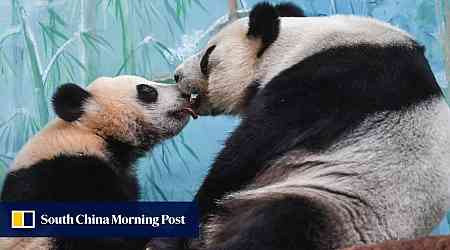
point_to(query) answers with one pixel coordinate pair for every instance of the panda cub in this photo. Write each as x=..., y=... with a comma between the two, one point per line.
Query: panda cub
x=88, y=152
x=343, y=137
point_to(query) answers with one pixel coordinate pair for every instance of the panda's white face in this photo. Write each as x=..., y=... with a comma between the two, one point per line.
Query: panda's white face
x=221, y=71
x=125, y=103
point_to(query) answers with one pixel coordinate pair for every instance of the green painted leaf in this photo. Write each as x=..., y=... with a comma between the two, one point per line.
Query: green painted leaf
x=174, y=15
x=77, y=61
x=57, y=17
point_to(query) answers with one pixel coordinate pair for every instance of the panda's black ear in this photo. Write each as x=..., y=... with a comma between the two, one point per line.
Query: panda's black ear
x=264, y=23
x=68, y=101
x=289, y=10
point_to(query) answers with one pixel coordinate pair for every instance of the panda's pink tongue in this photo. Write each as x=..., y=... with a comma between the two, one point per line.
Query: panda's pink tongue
x=191, y=112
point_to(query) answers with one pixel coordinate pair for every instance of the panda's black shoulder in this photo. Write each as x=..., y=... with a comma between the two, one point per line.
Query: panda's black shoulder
x=69, y=178
x=336, y=89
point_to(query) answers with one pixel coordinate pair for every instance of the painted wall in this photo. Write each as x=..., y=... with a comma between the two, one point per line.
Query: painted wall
x=44, y=43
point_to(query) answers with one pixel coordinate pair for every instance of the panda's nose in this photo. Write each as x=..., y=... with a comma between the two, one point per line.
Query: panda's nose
x=178, y=76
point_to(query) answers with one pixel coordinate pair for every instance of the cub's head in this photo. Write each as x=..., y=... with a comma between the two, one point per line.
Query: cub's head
x=128, y=109
x=223, y=74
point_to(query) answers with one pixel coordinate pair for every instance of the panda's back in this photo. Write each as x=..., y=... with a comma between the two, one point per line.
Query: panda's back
x=67, y=163
x=394, y=163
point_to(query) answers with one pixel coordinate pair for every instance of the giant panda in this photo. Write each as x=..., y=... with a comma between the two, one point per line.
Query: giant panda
x=88, y=152
x=343, y=137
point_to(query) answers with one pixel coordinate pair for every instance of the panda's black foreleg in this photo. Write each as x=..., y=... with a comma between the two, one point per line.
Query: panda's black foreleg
x=284, y=223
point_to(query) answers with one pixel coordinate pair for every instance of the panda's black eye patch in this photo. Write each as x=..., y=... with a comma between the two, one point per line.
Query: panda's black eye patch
x=147, y=93
x=205, y=60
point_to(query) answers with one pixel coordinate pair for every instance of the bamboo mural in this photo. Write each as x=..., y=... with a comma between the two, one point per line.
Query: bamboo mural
x=45, y=43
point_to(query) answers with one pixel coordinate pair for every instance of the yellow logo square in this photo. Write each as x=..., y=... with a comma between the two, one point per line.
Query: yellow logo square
x=22, y=219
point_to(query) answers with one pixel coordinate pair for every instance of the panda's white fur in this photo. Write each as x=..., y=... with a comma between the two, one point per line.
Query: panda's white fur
x=112, y=115
x=385, y=177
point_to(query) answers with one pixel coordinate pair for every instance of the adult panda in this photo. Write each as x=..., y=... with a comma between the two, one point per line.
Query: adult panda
x=343, y=137
x=88, y=152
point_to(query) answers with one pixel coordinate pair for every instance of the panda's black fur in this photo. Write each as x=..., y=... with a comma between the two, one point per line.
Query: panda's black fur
x=75, y=178
x=58, y=179
x=309, y=108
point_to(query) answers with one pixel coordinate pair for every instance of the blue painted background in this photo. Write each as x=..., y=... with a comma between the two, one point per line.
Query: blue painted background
x=149, y=38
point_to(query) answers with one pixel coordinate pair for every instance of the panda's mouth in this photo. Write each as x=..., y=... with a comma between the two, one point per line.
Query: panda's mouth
x=198, y=101
x=182, y=112
x=195, y=100
x=190, y=111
